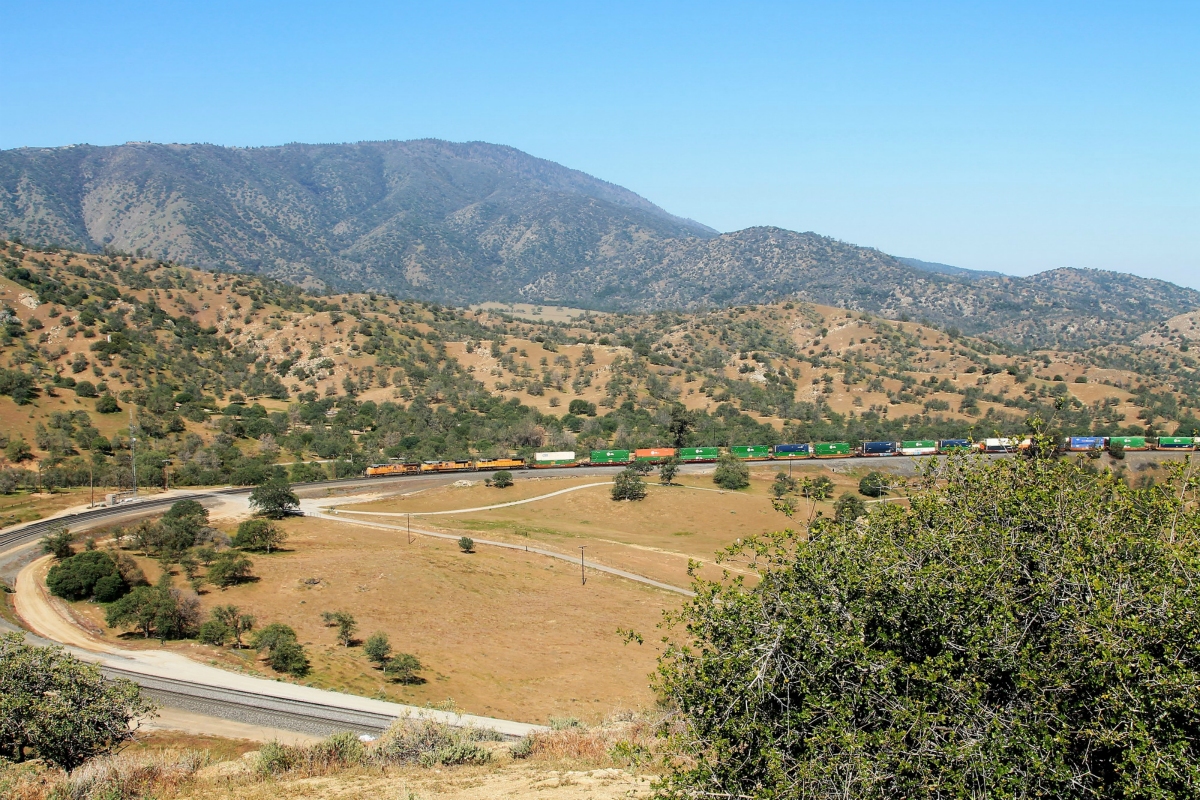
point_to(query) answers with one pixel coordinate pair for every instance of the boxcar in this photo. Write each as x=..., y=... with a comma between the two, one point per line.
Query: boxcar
x=919, y=447
x=611, y=457
x=1176, y=443
x=383, y=470
x=556, y=458
x=833, y=450
x=793, y=451
x=751, y=451
x=653, y=454
x=1082, y=444
x=1130, y=442
x=880, y=448
x=699, y=453
x=955, y=446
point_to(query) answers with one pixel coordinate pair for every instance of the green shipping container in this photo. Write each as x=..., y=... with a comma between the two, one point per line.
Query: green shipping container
x=917, y=443
x=1174, y=441
x=751, y=451
x=1128, y=442
x=827, y=449
x=699, y=453
x=610, y=457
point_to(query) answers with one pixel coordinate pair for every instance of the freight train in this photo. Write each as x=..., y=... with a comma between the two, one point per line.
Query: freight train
x=779, y=452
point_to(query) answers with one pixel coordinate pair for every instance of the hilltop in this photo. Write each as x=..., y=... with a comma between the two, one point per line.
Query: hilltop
x=468, y=223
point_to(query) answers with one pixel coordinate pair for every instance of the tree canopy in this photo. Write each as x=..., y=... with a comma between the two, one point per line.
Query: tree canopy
x=1022, y=628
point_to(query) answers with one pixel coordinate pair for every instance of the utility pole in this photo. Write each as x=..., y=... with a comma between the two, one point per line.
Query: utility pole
x=410, y=528
x=133, y=451
x=582, y=574
x=91, y=483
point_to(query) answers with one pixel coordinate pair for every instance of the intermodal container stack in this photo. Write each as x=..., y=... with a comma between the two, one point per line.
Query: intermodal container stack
x=1002, y=445
x=749, y=451
x=1129, y=442
x=1082, y=444
x=793, y=450
x=919, y=447
x=955, y=446
x=699, y=453
x=833, y=450
x=653, y=454
x=610, y=457
x=880, y=448
x=555, y=458
x=1175, y=443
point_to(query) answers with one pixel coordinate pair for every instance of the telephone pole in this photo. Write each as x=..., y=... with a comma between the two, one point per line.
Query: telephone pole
x=133, y=450
x=582, y=574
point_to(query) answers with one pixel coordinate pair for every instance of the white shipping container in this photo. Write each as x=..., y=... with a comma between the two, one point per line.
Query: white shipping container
x=558, y=455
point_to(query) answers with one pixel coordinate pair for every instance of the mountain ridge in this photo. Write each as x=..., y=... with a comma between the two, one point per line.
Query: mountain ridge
x=461, y=223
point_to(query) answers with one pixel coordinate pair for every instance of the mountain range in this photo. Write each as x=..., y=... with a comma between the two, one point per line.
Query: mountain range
x=461, y=223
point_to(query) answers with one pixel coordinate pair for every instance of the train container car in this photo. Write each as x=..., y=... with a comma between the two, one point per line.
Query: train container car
x=447, y=466
x=749, y=451
x=918, y=447
x=1176, y=443
x=833, y=450
x=500, y=463
x=955, y=446
x=1001, y=445
x=555, y=458
x=1130, y=442
x=653, y=455
x=699, y=453
x=880, y=448
x=1082, y=444
x=611, y=457
x=383, y=470
x=792, y=451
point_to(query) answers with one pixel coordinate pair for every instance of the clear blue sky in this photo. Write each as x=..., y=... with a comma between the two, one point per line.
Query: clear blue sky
x=1011, y=136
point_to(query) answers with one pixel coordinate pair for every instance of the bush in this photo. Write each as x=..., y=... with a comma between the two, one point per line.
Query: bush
x=59, y=543
x=628, y=485
x=229, y=569
x=731, y=473
x=873, y=484
x=1025, y=628
x=86, y=389
x=258, y=534
x=502, y=479
x=214, y=631
x=107, y=405
x=849, y=508
x=378, y=649
x=1116, y=451
x=466, y=544
x=403, y=668
x=92, y=572
x=429, y=743
x=284, y=653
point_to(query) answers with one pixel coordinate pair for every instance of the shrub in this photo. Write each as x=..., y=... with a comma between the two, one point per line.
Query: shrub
x=731, y=473
x=466, y=544
x=90, y=572
x=378, y=649
x=344, y=622
x=258, y=534
x=1024, y=628
x=873, y=484
x=849, y=508
x=1116, y=450
x=229, y=569
x=628, y=485
x=430, y=743
x=59, y=543
x=86, y=389
x=214, y=631
x=107, y=404
x=403, y=668
x=502, y=479
x=284, y=653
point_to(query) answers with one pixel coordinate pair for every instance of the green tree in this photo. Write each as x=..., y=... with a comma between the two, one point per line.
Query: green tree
x=18, y=450
x=60, y=708
x=784, y=485
x=849, y=507
x=274, y=500
x=818, y=488
x=403, y=668
x=1023, y=628
x=502, y=479
x=466, y=544
x=237, y=623
x=667, y=470
x=259, y=535
x=107, y=404
x=378, y=649
x=284, y=652
x=628, y=485
x=344, y=622
x=59, y=543
x=1116, y=451
x=874, y=484
x=731, y=473
x=229, y=568
x=78, y=577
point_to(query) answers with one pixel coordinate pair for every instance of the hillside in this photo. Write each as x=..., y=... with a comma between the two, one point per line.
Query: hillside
x=231, y=378
x=468, y=223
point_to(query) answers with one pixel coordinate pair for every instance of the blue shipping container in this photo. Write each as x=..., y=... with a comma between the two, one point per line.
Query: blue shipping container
x=1084, y=443
x=947, y=445
x=800, y=449
x=879, y=448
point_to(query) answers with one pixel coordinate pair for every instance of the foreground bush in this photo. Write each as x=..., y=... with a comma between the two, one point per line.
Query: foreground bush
x=1026, y=628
